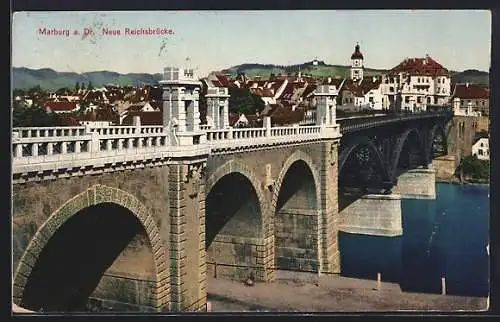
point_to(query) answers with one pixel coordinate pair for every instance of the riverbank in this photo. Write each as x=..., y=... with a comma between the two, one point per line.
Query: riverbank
x=298, y=292
x=454, y=180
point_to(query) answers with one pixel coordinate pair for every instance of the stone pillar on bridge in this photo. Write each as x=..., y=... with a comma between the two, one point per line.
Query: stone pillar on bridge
x=218, y=106
x=417, y=184
x=181, y=116
x=325, y=105
x=373, y=214
x=329, y=253
x=187, y=236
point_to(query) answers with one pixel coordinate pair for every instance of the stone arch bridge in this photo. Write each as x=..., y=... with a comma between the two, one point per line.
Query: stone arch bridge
x=124, y=218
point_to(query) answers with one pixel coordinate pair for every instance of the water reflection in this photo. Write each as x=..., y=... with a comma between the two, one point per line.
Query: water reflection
x=442, y=237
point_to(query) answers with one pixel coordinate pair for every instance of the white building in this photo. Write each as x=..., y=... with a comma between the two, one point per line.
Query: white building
x=481, y=149
x=416, y=83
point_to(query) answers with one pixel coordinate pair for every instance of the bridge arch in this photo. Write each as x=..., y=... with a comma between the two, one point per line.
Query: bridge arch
x=295, y=157
x=236, y=223
x=405, y=140
x=97, y=195
x=440, y=146
x=296, y=228
x=352, y=146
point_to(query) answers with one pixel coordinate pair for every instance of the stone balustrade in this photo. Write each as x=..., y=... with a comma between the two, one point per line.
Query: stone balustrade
x=45, y=132
x=55, y=149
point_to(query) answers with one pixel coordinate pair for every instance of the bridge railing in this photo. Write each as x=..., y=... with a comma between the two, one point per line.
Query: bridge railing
x=255, y=133
x=356, y=124
x=92, y=145
x=46, y=132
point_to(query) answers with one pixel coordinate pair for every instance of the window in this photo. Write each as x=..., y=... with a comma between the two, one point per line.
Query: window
x=419, y=99
x=391, y=89
x=407, y=99
x=429, y=100
x=481, y=145
x=439, y=80
x=370, y=99
x=480, y=152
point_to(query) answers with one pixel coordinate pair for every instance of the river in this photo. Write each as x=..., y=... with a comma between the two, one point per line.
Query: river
x=445, y=237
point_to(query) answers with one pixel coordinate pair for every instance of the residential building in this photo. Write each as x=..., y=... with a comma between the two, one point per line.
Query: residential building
x=474, y=96
x=416, y=83
x=481, y=149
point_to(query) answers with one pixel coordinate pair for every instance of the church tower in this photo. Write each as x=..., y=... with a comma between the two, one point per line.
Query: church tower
x=357, y=64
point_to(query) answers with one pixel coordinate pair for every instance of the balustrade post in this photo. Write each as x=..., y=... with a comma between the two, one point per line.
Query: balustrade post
x=34, y=149
x=19, y=150
x=149, y=142
x=267, y=125
x=78, y=146
x=94, y=143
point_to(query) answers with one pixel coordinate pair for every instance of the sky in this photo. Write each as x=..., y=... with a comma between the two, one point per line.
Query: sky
x=214, y=40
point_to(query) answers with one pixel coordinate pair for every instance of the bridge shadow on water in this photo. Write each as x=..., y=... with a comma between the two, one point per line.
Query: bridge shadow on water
x=441, y=238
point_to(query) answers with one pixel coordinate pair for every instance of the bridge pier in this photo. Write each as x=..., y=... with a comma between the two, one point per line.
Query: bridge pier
x=373, y=214
x=417, y=184
x=329, y=210
x=187, y=237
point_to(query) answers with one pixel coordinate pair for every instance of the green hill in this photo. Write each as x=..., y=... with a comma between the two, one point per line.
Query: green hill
x=48, y=79
x=321, y=70
x=472, y=76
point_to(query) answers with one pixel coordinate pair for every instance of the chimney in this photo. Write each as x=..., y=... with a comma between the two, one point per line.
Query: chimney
x=467, y=85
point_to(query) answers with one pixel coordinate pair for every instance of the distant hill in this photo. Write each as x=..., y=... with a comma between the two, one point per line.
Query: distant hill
x=321, y=70
x=472, y=76
x=49, y=79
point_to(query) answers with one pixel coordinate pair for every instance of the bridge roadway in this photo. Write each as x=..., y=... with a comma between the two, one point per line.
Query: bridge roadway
x=128, y=217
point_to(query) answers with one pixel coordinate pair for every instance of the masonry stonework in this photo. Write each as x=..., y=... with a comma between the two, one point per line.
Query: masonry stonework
x=377, y=215
x=417, y=184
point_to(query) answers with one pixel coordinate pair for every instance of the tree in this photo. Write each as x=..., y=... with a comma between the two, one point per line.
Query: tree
x=32, y=116
x=471, y=167
x=243, y=101
x=77, y=86
x=90, y=86
x=18, y=92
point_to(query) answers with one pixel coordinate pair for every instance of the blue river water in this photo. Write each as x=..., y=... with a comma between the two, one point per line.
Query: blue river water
x=445, y=237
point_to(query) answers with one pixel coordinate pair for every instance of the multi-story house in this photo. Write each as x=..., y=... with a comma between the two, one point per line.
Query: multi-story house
x=416, y=83
x=473, y=96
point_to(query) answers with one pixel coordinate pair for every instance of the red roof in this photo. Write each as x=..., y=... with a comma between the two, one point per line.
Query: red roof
x=223, y=80
x=60, y=106
x=357, y=54
x=147, y=118
x=471, y=91
x=420, y=66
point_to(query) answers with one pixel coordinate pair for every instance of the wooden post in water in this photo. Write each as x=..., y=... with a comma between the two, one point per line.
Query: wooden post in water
x=443, y=285
x=379, y=278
